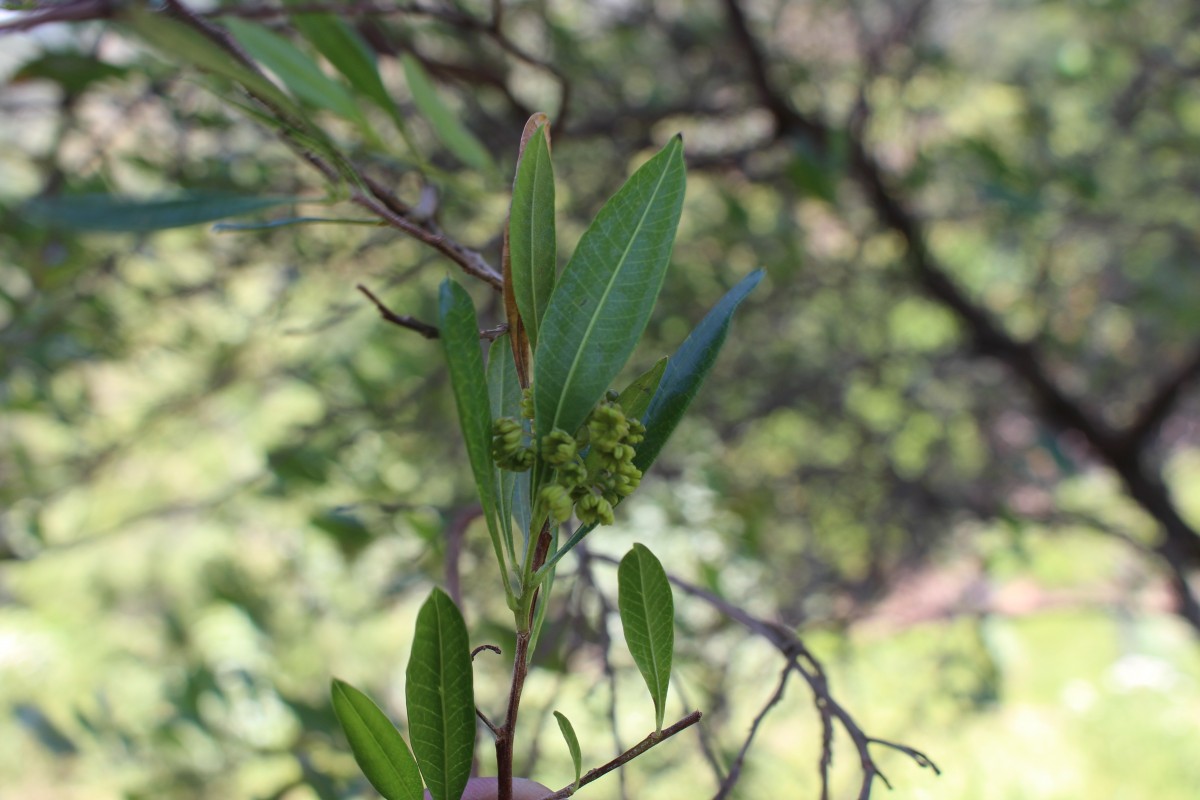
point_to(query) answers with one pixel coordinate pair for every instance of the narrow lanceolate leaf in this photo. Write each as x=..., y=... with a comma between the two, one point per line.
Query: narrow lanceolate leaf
x=505, y=397
x=452, y=133
x=531, y=236
x=648, y=617
x=103, y=212
x=378, y=748
x=460, y=343
x=299, y=72
x=686, y=371
x=604, y=296
x=441, y=698
x=568, y=733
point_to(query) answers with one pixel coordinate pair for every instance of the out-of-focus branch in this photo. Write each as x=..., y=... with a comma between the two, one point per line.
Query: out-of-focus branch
x=1181, y=542
x=1162, y=401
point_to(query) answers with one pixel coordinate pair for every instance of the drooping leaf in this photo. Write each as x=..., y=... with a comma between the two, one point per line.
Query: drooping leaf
x=441, y=697
x=687, y=370
x=648, y=617
x=568, y=734
x=298, y=71
x=102, y=212
x=378, y=748
x=452, y=133
x=532, y=244
x=505, y=397
x=460, y=343
x=604, y=297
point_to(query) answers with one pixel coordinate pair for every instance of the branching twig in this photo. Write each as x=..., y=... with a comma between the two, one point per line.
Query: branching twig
x=630, y=754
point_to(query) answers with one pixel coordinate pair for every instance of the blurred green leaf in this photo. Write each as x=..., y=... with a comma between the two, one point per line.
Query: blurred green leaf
x=686, y=371
x=568, y=734
x=531, y=236
x=180, y=42
x=346, y=530
x=452, y=133
x=74, y=72
x=604, y=297
x=295, y=68
x=441, y=698
x=99, y=212
x=648, y=618
x=378, y=747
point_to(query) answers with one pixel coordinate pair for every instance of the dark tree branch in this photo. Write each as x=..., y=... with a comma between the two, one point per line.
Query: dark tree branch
x=1181, y=542
x=735, y=769
x=1162, y=400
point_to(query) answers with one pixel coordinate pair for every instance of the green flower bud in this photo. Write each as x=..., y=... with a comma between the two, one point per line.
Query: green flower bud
x=572, y=474
x=637, y=432
x=557, y=501
x=558, y=447
x=593, y=509
x=527, y=402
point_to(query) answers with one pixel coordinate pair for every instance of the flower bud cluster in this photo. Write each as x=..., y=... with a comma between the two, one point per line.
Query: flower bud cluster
x=589, y=488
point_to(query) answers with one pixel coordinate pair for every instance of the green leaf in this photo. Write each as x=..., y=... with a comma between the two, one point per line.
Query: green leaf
x=457, y=139
x=378, y=747
x=296, y=69
x=531, y=236
x=686, y=371
x=103, y=212
x=505, y=395
x=345, y=49
x=648, y=617
x=460, y=342
x=180, y=42
x=568, y=734
x=284, y=222
x=605, y=294
x=635, y=398
x=441, y=698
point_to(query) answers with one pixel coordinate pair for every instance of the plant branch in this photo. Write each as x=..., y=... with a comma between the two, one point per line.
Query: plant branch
x=735, y=769
x=402, y=320
x=641, y=747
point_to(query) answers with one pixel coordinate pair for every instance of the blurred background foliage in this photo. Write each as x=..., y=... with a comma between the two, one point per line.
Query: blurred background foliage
x=223, y=478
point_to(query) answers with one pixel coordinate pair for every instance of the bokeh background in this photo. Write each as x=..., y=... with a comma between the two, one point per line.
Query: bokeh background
x=224, y=479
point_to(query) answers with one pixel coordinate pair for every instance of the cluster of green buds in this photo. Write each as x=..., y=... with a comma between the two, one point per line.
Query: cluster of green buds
x=588, y=486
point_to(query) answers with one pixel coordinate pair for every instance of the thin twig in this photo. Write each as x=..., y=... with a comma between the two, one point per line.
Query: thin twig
x=404, y=321
x=641, y=747
x=735, y=769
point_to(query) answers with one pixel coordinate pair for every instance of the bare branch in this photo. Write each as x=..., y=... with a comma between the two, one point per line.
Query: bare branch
x=404, y=321
x=735, y=769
